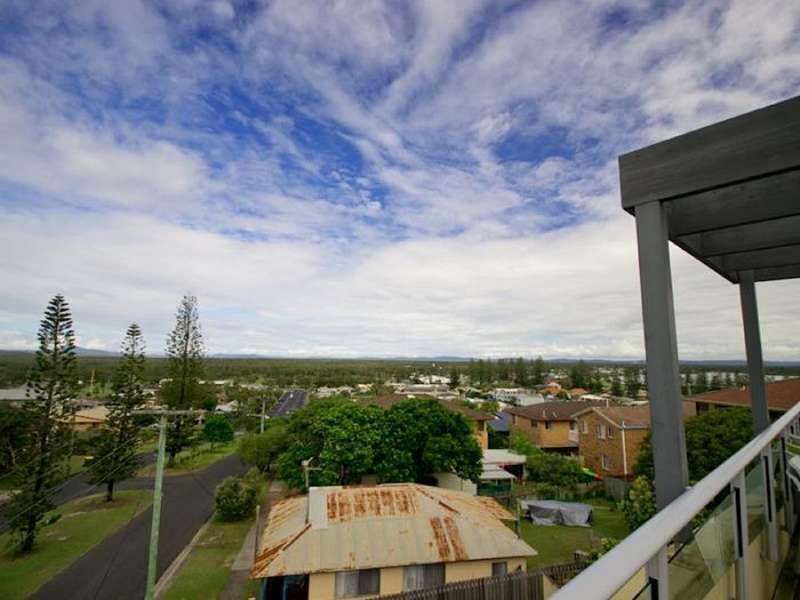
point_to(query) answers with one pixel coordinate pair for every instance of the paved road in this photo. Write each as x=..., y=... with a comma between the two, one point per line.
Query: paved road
x=79, y=486
x=290, y=401
x=117, y=567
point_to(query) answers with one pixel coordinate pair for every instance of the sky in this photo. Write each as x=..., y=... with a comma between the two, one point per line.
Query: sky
x=356, y=178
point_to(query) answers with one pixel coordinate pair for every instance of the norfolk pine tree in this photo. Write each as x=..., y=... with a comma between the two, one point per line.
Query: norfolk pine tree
x=115, y=450
x=185, y=353
x=52, y=385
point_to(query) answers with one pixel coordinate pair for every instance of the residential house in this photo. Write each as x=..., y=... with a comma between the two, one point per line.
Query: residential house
x=577, y=393
x=499, y=468
x=348, y=542
x=781, y=396
x=549, y=425
x=476, y=417
x=610, y=438
x=87, y=419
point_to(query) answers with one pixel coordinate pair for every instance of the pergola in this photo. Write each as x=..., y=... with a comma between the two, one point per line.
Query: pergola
x=729, y=195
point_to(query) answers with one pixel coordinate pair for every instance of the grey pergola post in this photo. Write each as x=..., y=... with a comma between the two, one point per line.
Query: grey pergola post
x=661, y=346
x=758, y=399
x=752, y=344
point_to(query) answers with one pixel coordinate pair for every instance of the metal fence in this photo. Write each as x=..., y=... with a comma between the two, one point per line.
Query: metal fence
x=522, y=585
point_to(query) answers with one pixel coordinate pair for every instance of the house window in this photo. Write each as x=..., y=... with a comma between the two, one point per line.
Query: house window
x=584, y=426
x=547, y=424
x=573, y=426
x=499, y=568
x=601, y=431
x=420, y=577
x=610, y=432
x=351, y=584
x=605, y=462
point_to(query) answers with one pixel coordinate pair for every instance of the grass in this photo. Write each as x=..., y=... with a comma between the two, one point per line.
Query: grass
x=83, y=524
x=206, y=570
x=194, y=459
x=557, y=543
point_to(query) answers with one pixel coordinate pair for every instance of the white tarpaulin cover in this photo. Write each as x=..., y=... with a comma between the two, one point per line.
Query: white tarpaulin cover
x=554, y=512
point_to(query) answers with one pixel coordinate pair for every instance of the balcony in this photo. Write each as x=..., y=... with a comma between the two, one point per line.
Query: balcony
x=727, y=195
x=573, y=436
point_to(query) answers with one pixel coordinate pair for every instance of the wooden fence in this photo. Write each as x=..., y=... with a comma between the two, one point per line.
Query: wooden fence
x=522, y=585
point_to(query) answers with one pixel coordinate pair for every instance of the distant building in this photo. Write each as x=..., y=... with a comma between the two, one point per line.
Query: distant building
x=88, y=419
x=781, y=396
x=340, y=542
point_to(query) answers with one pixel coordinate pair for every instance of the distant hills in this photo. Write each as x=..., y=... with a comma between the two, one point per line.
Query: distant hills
x=97, y=353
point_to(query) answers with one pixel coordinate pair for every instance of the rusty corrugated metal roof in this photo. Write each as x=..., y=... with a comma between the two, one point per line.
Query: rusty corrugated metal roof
x=382, y=526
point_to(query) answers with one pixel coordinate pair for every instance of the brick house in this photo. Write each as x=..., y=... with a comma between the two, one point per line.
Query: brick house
x=549, y=425
x=609, y=438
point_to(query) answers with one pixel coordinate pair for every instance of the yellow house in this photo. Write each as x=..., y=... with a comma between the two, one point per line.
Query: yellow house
x=88, y=419
x=347, y=542
x=550, y=425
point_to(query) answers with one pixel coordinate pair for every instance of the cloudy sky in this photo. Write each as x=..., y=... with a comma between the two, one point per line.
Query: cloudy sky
x=367, y=178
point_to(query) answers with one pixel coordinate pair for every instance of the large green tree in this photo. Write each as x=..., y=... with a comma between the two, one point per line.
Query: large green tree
x=115, y=448
x=52, y=385
x=538, y=371
x=338, y=435
x=421, y=437
x=711, y=438
x=185, y=352
x=262, y=449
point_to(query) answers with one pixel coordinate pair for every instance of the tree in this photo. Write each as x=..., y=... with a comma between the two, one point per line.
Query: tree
x=262, y=449
x=616, y=386
x=185, y=353
x=580, y=375
x=455, y=377
x=115, y=448
x=15, y=424
x=421, y=437
x=632, y=383
x=553, y=469
x=538, y=371
x=52, y=384
x=701, y=383
x=711, y=438
x=521, y=373
x=339, y=435
x=640, y=503
x=217, y=430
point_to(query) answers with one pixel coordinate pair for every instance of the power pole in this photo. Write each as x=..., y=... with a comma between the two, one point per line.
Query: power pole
x=152, y=559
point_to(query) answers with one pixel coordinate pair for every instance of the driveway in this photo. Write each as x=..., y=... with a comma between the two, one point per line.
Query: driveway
x=117, y=567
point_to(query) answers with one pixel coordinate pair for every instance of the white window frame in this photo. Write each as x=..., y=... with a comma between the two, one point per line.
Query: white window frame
x=610, y=432
x=600, y=429
x=605, y=462
x=341, y=586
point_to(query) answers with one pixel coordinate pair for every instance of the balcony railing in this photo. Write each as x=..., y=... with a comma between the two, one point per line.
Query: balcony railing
x=573, y=436
x=757, y=478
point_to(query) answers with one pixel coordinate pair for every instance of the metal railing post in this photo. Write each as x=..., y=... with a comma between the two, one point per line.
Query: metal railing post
x=788, y=492
x=658, y=575
x=770, y=517
x=740, y=534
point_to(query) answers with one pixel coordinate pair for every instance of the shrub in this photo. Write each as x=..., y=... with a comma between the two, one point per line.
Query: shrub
x=235, y=499
x=218, y=429
x=640, y=503
x=262, y=449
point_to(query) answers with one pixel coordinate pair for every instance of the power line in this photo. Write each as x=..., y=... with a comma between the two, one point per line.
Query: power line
x=64, y=484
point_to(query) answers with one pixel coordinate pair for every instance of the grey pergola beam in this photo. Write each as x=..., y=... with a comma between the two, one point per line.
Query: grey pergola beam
x=753, y=201
x=774, y=233
x=777, y=273
x=760, y=259
x=746, y=147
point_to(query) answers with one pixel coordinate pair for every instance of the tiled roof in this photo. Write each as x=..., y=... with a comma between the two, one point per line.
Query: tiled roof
x=781, y=395
x=550, y=411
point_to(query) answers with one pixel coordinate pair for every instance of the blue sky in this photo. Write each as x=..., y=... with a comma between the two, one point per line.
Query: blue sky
x=366, y=178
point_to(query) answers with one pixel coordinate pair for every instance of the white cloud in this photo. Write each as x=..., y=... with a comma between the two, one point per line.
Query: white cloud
x=438, y=241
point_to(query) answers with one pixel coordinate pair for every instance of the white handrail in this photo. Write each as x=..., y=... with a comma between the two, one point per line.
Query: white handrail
x=603, y=578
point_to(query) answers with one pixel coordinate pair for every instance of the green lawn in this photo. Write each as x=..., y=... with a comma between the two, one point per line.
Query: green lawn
x=206, y=570
x=556, y=544
x=83, y=524
x=194, y=459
